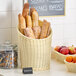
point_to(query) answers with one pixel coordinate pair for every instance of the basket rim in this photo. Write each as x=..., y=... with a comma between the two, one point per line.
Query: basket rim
x=32, y=38
x=69, y=62
x=63, y=54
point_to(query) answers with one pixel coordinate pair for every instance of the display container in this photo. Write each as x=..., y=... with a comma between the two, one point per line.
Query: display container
x=8, y=56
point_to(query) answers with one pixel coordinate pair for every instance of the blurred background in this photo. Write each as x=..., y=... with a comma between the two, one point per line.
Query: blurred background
x=64, y=27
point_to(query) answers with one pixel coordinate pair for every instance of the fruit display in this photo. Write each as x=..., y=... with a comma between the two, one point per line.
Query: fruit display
x=71, y=59
x=61, y=52
x=70, y=63
x=66, y=50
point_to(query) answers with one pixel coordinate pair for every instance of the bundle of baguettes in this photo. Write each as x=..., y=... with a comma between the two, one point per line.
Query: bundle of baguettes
x=29, y=24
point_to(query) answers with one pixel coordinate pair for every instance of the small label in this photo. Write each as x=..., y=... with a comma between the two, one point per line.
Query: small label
x=27, y=70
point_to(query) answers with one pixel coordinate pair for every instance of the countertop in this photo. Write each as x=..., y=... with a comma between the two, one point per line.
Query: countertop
x=57, y=69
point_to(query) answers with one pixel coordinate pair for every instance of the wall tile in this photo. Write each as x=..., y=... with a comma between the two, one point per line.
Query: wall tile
x=70, y=42
x=70, y=31
x=5, y=5
x=57, y=31
x=57, y=42
x=5, y=19
x=17, y=5
x=15, y=18
x=70, y=16
x=58, y=20
x=14, y=36
x=70, y=4
x=5, y=34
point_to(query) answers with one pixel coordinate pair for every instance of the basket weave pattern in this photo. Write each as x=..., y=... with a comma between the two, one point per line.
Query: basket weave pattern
x=34, y=53
x=71, y=67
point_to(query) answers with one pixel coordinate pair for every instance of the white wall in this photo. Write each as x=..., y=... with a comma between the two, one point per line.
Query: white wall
x=64, y=28
x=9, y=10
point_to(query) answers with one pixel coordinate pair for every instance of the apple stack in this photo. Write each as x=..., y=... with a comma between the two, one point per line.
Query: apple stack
x=66, y=50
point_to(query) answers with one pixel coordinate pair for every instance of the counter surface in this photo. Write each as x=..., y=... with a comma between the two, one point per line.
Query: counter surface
x=57, y=69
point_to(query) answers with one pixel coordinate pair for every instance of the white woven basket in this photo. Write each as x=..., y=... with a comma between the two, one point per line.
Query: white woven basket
x=35, y=53
x=71, y=67
x=60, y=57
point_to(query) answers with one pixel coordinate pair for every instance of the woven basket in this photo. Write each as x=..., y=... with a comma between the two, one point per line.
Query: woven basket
x=71, y=67
x=60, y=57
x=35, y=53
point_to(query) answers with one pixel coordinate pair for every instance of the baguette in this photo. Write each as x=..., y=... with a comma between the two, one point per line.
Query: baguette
x=35, y=18
x=25, y=11
x=31, y=10
x=28, y=21
x=22, y=23
x=49, y=31
x=40, y=23
x=44, y=29
x=37, y=31
x=29, y=32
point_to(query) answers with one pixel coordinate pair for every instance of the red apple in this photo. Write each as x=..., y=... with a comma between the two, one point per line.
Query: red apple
x=61, y=47
x=57, y=48
x=64, y=51
x=75, y=50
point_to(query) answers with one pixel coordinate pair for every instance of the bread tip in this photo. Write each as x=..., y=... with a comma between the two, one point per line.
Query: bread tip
x=26, y=5
x=31, y=10
x=44, y=20
x=19, y=15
